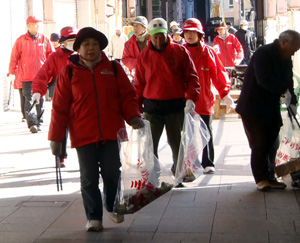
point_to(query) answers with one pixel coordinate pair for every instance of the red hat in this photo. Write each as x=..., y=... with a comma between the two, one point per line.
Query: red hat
x=193, y=24
x=32, y=19
x=67, y=33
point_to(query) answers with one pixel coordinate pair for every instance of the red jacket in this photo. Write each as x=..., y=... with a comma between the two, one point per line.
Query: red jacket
x=130, y=54
x=93, y=105
x=166, y=75
x=28, y=56
x=228, y=50
x=211, y=74
x=52, y=67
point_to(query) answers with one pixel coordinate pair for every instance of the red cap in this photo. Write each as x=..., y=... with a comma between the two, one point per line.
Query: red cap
x=193, y=24
x=32, y=19
x=67, y=33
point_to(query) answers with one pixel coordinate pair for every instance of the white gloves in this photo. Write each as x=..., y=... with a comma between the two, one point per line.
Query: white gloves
x=56, y=148
x=36, y=98
x=229, y=103
x=286, y=98
x=189, y=106
x=11, y=78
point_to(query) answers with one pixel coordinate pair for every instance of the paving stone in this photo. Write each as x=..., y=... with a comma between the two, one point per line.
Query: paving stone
x=259, y=237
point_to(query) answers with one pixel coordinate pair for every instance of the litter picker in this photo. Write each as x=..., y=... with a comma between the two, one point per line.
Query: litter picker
x=58, y=173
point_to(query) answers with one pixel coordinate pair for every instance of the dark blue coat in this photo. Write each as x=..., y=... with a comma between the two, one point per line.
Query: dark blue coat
x=268, y=76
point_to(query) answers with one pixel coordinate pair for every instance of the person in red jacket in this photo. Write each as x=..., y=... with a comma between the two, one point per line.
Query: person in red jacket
x=166, y=83
x=211, y=74
x=29, y=53
x=46, y=77
x=228, y=47
x=93, y=98
x=135, y=44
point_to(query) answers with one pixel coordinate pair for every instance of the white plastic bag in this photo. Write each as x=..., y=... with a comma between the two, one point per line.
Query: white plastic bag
x=289, y=147
x=195, y=137
x=141, y=171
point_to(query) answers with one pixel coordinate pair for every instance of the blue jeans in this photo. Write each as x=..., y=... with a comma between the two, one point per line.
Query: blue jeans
x=94, y=159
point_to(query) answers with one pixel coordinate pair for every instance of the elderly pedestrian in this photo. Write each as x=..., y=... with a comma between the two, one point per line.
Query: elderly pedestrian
x=29, y=53
x=166, y=83
x=212, y=75
x=116, y=45
x=136, y=43
x=93, y=97
x=268, y=77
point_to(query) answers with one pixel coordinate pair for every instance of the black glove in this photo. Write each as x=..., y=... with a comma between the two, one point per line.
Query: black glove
x=56, y=148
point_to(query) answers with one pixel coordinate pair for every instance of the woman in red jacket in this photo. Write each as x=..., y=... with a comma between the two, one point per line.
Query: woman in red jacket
x=228, y=47
x=46, y=77
x=211, y=73
x=93, y=100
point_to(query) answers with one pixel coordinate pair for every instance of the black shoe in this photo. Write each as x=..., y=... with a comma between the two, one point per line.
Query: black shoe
x=180, y=185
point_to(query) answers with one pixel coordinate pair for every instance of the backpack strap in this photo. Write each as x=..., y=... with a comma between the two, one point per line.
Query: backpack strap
x=115, y=68
x=70, y=73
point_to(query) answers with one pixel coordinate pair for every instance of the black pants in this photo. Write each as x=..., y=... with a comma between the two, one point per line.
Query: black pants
x=173, y=123
x=94, y=159
x=22, y=102
x=208, y=155
x=32, y=119
x=263, y=142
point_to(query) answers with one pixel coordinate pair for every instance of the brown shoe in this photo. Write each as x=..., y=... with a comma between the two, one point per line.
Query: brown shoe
x=277, y=185
x=263, y=185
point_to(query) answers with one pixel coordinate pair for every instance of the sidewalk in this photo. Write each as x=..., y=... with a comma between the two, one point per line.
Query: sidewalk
x=224, y=207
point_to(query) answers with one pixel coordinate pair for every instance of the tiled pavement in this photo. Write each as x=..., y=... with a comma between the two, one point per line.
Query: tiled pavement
x=224, y=207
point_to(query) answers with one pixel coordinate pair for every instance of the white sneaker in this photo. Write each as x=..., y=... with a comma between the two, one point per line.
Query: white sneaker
x=93, y=225
x=116, y=218
x=209, y=170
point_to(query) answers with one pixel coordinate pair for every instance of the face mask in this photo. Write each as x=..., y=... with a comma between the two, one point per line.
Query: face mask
x=69, y=45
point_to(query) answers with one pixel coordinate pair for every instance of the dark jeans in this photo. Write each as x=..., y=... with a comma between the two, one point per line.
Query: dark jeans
x=263, y=142
x=22, y=102
x=31, y=118
x=173, y=123
x=208, y=155
x=92, y=157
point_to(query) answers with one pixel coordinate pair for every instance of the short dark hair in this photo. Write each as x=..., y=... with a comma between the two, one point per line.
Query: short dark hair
x=291, y=36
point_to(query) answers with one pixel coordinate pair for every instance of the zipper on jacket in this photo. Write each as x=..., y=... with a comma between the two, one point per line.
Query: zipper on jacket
x=35, y=55
x=98, y=112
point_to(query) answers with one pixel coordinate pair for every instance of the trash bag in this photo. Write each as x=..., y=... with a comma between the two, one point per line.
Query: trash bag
x=194, y=138
x=142, y=174
x=289, y=147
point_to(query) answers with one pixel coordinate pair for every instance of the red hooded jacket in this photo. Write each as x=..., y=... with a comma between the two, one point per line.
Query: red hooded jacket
x=93, y=104
x=51, y=68
x=211, y=74
x=28, y=56
x=229, y=50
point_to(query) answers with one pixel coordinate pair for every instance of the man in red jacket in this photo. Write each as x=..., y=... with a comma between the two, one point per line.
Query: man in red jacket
x=29, y=53
x=228, y=47
x=47, y=75
x=135, y=44
x=93, y=99
x=211, y=74
x=166, y=83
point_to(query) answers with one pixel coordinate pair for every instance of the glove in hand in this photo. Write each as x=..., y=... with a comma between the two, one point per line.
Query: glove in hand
x=229, y=103
x=36, y=98
x=286, y=98
x=189, y=106
x=136, y=122
x=56, y=148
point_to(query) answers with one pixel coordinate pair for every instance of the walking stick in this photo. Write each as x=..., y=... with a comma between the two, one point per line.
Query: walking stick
x=58, y=173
